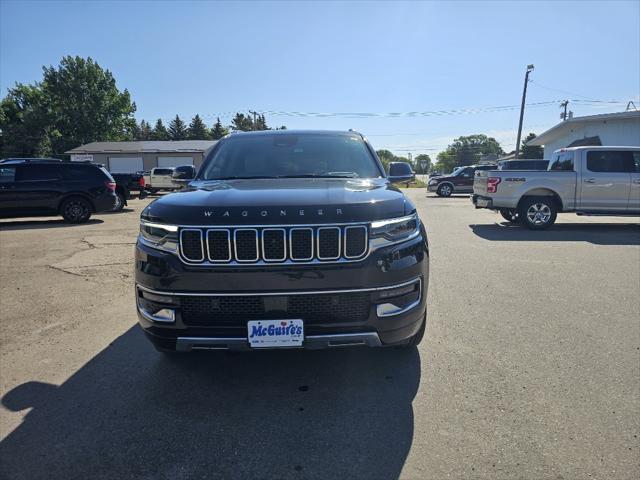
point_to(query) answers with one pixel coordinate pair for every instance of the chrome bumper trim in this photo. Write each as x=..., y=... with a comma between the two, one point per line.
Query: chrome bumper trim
x=391, y=309
x=294, y=292
x=369, y=339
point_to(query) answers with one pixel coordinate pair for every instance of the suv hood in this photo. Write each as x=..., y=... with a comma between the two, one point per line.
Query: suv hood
x=280, y=201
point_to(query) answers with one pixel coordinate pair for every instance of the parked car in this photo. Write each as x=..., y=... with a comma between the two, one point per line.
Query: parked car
x=523, y=164
x=42, y=187
x=460, y=181
x=584, y=180
x=125, y=184
x=285, y=239
x=160, y=179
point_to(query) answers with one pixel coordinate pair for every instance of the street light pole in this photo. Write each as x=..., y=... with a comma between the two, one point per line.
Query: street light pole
x=524, y=98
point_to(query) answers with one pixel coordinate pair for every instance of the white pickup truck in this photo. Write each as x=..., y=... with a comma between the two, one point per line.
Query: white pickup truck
x=584, y=180
x=160, y=178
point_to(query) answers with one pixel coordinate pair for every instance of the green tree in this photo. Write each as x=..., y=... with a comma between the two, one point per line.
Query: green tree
x=23, y=121
x=530, y=151
x=218, y=131
x=159, y=131
x=197, y=129
x=423, y=163
x=387, y=157
x=177, y=129
x=467, y=150
x=144, y=131
x=75, y=103
x=242, y=122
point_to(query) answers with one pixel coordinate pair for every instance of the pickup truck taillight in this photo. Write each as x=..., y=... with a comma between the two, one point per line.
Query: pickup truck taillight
x=141, y=182
x=492, y=184
x=111, y=186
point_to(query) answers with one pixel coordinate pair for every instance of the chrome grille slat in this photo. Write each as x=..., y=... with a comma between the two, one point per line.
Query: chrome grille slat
x=247, y=242
x=188, y=243
x=215, y=244
x=271, y=243
x=294, y=244
x=326, y=242
x=351, y=241
x=297, y=244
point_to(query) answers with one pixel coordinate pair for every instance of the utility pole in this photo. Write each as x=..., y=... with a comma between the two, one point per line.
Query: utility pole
x=564, y=105
x=255, y=125
x=524, y=98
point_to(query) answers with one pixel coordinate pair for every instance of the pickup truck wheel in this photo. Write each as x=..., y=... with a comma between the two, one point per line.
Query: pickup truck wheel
x=509, y=214
x=76, y=210
x=538, y=213
x=444, y=190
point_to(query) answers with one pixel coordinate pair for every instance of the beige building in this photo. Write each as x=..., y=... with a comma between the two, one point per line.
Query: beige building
x=129, y=157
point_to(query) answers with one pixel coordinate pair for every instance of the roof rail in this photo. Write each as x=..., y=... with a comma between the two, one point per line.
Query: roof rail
x=30, y=160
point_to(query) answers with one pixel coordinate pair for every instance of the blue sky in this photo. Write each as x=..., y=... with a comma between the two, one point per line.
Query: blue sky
x=214, y=58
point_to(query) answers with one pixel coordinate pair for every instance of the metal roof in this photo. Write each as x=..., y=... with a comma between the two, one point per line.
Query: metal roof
x=558, y=129
x=146, y=146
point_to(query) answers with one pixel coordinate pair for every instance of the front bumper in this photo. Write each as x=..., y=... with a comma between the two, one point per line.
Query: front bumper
x=433, y=188
x=387, y=320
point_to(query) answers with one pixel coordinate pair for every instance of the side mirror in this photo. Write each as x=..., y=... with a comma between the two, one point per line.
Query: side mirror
x=184, y=174
x=400, y=172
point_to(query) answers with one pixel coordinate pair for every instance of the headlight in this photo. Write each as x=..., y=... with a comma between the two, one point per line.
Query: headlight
x=396, y=229
x=159, y=235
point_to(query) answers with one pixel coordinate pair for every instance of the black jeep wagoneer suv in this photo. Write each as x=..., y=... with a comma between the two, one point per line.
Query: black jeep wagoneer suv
x=284, y=239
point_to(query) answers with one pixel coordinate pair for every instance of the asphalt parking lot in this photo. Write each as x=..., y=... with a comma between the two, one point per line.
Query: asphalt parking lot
x=530, y=367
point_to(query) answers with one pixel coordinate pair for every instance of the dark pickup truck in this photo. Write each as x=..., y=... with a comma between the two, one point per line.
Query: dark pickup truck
x=125, y=184
x=285, y=239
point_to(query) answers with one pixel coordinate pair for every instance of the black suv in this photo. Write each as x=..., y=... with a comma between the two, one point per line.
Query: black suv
x=284, y=239
x=42, y=187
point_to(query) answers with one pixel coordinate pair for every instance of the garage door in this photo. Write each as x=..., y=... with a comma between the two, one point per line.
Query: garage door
x=174, y=161
x=125, y=164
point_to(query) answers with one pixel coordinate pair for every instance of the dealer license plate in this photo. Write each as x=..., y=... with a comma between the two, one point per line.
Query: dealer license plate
x=275, y=333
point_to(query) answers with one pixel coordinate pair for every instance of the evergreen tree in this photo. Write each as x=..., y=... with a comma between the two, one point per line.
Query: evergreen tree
x=218, y=131
x=177, y=129
x=261, y=123
x=242, y=122
x=197, y=129
x=143, y=131
x=159, y=132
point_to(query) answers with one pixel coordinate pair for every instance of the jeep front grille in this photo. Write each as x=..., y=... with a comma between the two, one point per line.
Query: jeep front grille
x=289, y=244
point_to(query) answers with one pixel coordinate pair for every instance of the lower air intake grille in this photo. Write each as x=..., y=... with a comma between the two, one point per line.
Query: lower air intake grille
x=237, y=310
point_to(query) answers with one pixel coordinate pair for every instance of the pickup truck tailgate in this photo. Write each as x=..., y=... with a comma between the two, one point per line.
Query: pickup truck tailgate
x=480, y=182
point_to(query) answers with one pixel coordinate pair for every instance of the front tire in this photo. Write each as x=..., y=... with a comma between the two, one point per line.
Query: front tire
x=510, y=214
x=538, y=213
x=76, y=210
x=444, y=190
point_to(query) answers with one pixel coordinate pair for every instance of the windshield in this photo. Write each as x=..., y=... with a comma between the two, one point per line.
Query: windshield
x=291, y=156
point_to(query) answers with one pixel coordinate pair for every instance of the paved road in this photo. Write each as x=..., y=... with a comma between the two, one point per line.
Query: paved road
x=530, y=367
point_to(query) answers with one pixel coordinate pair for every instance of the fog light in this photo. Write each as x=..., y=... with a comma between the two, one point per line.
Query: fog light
x=162, y=315
x=396, y=292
